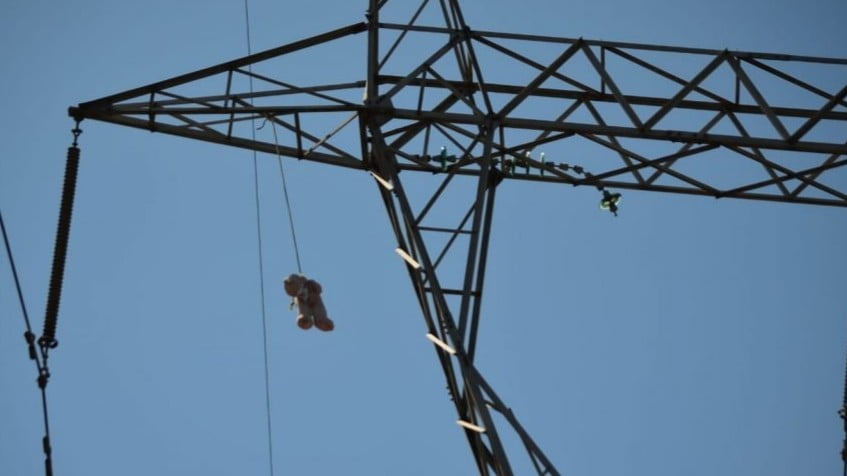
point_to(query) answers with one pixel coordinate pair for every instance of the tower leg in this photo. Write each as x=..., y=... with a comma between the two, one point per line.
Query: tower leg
x=453, y=329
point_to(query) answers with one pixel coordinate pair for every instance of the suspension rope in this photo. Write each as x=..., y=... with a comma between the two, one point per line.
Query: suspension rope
x=261, y=257
x=40, y=361
x=287, y=200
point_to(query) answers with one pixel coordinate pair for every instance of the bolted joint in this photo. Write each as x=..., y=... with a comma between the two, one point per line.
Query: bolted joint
x=465, y=33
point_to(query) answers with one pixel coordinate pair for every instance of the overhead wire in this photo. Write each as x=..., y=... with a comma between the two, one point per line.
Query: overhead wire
x=28, y=335
x=40, y=360
x=842, y=412
x=260, y=256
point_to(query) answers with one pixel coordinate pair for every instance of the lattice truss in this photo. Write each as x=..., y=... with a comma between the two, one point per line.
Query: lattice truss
x=697, y=121
x=475, y=108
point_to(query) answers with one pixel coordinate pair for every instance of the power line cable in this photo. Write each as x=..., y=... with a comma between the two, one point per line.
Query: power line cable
x=843, y=414
x=28, y=335
x=261, y=257
x=40, y=361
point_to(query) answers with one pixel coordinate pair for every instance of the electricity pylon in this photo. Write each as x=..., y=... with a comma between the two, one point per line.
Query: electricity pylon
x=444, y=100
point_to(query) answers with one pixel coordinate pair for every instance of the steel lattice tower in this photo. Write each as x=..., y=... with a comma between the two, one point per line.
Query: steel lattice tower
x=441, y=110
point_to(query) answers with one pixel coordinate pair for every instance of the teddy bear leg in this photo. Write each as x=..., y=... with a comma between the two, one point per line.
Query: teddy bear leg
x=324, y=323
x=304, y=322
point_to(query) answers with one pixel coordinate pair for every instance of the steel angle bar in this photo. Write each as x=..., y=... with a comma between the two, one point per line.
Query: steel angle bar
x=789, y=175
x=666, y=161
x=402, y=35
x=814, y=175
x=665, y=74
x=420, y=69
x=625, y=157
x=538, y=80
x=461, y=96
x=652, y=47
x=431, y=202
x=443, y=230
x=686, y=89
x=534, y=64
x=478, y=247
x=791, y=79
x=239, y=142
x=453, y=237
x=757, y=96
x=176, y=99
x=228, y=95
x=718, y=106
x=616, y=92
x=619, y=131
x=480, y=81
x=199, y=125
x=466, y=157
x=703, y=130
x=311, y=91
x=300, y=132
x=297, y=130
x=757, y=155
x=504, y=410
x=227, y=66
x=458, y=50
x=623, y=45
x=647, y=162
x=247, y=108
x=813, y=121
x=564, y=115
x=413, y=132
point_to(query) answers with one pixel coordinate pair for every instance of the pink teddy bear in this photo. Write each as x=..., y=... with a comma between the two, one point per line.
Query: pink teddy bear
x=307, y=296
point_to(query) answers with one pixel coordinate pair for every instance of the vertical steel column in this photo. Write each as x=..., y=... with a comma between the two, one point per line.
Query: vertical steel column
x=373, y=52
x=472, y=288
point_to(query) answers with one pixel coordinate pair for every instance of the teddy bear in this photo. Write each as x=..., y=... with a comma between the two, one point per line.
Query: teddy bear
x=306, y=294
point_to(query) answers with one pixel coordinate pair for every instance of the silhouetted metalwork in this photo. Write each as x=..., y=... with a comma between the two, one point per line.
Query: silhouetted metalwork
x=618, y=116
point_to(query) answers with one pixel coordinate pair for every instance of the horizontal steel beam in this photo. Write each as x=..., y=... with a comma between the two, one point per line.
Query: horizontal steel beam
x=470, y=88
x=618, y=44
x=230, y=65
x=618, y=131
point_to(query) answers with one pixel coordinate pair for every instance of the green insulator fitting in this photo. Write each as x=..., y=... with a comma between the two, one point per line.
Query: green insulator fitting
x=610, y=202
x=442, y=156
x=542, y=164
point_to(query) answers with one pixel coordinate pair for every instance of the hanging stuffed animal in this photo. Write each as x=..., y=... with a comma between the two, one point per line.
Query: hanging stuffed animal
x=306, y=294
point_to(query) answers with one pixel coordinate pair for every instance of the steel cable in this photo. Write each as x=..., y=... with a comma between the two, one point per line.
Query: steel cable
x=261, y=258
x=29, y=336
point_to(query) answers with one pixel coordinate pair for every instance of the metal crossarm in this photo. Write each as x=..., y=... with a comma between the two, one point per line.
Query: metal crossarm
x=473, y=109
x=718, y=112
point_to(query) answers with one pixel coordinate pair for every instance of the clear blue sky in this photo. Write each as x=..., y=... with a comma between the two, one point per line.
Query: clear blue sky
x=717, y=349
